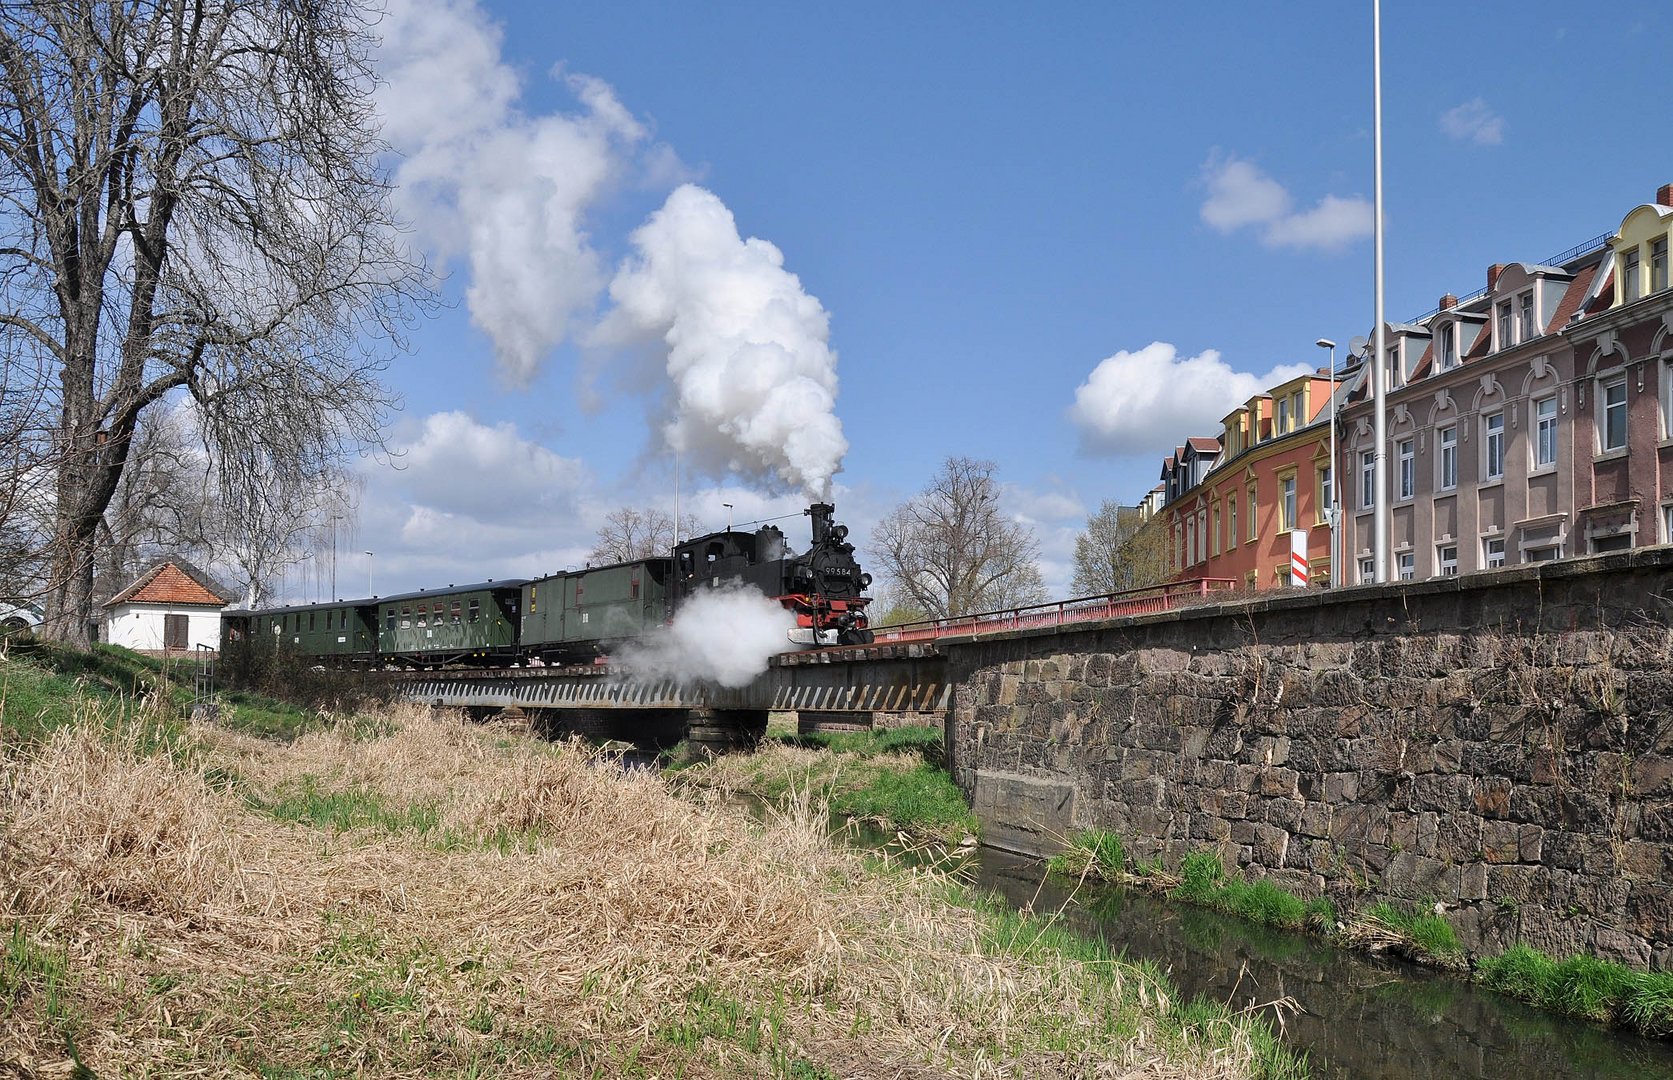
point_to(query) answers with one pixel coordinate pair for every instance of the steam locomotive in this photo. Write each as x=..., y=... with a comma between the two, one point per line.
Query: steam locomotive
x=576, y=616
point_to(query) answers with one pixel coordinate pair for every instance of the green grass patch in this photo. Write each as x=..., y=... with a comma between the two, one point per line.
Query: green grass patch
x=44, y=687
x=1094, y=854
x=305, y=802
x=36, y=980
x=924, y=799
x=1427, y=937
x=1584, y=987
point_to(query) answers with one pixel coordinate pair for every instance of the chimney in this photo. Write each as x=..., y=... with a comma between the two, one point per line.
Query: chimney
x=1449, y=301
x=1493, y=275
x=1664, y=195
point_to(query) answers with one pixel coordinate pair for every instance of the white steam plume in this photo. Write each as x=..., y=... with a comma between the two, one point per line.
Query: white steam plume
x=507, y=191
x=754, y=379
x=723, y=636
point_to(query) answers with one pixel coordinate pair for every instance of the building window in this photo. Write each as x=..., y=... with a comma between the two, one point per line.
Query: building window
x=1629, y=277
x=1286, y=503
x=1407, y=562
x=1254, y=523
x=1190, y=541
x=1612, y=426
x=1504, y=324
x=1407, y=452
x=1448, y=437
x=1493, y=552
x=1231, y=522
x=1525, y=331
x=1283, y=424
x=1545, y=433
x=1546, y=553
x=1367, y=571
x=1367, y=479
x=1449, y=346
x=1446, y=557
x=1658, y=265
x=1493, y=446
x=1214, y=537
x=1322, y=495
x=1298, y=414
x=1202, y=535
x=1396, y=370
x=1615, y=542
x=1667, y=399
x=1667, y=524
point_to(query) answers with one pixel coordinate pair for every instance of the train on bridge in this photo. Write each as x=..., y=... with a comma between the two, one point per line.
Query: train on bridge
x=575, y=616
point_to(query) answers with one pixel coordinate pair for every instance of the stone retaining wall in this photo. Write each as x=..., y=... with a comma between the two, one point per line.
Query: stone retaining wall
x=1500, y=744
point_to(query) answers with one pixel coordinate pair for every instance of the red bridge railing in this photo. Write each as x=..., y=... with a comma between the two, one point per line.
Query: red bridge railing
x=1148, y=601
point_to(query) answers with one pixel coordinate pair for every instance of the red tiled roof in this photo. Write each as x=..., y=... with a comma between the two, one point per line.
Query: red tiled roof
x=1605, y=295
x=168, y=583
x=1571, y=299
x=1204, y=443
x=1478, y=347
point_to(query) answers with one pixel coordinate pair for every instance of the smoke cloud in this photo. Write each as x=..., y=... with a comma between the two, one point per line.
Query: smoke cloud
x=507, y=192
x=754, y=379
x=723, y=636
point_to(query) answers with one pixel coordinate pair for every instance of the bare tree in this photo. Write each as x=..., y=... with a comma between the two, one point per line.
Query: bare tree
x=192, y=204
x=637, y=534
x=950, y=551
x=1114, y=553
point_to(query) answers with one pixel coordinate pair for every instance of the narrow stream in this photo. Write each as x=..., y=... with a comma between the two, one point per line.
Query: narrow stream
x=1360, y=1018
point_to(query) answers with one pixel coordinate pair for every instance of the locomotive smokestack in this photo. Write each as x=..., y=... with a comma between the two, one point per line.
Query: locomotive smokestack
x=822, y=514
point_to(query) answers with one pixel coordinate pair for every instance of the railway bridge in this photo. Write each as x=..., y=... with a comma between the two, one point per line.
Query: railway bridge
x=904, y=671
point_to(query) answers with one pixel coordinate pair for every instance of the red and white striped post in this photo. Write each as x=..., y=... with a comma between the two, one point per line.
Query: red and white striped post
x=1298, y=558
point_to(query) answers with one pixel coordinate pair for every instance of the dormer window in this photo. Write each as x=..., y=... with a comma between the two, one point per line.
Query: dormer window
x=1658, y=265
x=1526, y=330
x=1283, y=416
x=1629, y=277
x=1396, y=370
x=1449, y=346
x=1504, y=324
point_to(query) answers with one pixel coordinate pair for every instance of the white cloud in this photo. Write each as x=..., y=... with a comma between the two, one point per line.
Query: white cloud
x=507, y=192
x=1151, y=400
x=754, y=378
x=1241, y=195
x=1474, y=122
x=466, y=501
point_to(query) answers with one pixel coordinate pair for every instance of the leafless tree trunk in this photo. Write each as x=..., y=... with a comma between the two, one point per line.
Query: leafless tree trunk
x=1114, y=555
x=191, y=205
x=950, y=551
x=637, y=534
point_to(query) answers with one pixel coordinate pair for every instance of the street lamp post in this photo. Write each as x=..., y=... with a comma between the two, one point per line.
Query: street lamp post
x=1330, y=509
x=370, y=594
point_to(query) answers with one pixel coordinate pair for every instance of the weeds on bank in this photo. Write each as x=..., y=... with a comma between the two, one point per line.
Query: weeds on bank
x=308, y=918
x=892, y=778
x=1583, y=987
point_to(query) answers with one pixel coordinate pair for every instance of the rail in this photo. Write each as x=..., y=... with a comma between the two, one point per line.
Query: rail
x=1148, y=601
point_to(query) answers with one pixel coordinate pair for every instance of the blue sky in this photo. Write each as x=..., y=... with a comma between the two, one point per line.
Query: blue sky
x=974, y=208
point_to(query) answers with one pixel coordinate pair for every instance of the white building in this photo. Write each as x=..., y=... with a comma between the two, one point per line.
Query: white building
x=172, y=607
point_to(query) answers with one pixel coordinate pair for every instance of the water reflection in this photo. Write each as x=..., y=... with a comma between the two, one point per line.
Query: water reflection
x=1361, y=1018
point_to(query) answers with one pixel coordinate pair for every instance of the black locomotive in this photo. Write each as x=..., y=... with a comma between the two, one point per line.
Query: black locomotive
x=577, y=615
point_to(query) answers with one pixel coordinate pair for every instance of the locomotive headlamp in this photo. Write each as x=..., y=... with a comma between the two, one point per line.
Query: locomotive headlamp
x=865, y=581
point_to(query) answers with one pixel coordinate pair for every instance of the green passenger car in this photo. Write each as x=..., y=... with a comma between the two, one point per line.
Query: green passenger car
x=475, y=623
x=338, y=633
x=575, y=616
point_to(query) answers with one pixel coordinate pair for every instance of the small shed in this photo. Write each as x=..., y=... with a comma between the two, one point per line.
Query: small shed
x=171, y=608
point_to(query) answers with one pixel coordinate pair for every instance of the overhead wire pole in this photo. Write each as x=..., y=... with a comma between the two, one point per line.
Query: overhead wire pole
x=1379, y=371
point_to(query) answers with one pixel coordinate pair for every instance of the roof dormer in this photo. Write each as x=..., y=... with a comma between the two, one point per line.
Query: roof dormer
x=1640, y=248
x=1524, y=298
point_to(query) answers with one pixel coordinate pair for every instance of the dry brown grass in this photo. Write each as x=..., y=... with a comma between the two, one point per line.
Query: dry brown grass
x=624, y=933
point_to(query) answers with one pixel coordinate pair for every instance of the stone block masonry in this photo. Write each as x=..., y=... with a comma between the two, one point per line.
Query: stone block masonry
x=1498, y=743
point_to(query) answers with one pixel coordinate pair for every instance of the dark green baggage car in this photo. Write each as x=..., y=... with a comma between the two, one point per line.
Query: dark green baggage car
x=474, y=624
x=337, y=634
x=579, y=615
